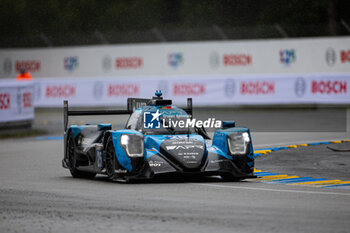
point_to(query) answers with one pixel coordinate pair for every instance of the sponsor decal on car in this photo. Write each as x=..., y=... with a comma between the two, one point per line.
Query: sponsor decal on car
x=185, y=147
x=155, y=163
x=174, y=137
x=183, y=142
x=99, y=158
x=151, y=120
x=217, y=161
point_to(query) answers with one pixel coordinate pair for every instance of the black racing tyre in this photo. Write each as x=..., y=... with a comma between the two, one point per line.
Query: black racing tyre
x=112, y=163
x=110, y=159
x=72, y=159
x=227, y=177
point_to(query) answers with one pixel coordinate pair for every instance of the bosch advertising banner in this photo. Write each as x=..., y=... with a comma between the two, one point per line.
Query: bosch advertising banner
x=51, y=92
x=205, y=90
x=251, y=57
x=301, y=89
x=16, y=101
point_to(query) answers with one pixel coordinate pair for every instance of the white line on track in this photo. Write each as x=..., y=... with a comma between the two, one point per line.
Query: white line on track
x=272, y=190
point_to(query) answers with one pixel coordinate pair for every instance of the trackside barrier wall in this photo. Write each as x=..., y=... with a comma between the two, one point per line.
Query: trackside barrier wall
x=289, y=71
x=16, y=102
x=254, y=57
x=217, y=90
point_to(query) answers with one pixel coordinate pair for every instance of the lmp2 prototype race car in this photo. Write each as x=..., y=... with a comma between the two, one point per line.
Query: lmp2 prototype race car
x=158, y=139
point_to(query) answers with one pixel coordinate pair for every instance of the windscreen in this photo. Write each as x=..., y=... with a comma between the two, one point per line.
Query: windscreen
x=164, y=120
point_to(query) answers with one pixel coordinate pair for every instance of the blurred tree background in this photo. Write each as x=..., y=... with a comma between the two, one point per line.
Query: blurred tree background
x=33, y=23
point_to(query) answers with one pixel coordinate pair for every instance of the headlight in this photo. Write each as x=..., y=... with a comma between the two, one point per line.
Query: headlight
x=132, y=144
x=238, y=143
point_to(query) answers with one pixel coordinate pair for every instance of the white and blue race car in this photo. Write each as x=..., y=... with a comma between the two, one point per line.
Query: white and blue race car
x=158, y=139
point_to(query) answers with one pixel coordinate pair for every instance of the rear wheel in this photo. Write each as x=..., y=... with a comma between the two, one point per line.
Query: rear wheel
x=72, y=159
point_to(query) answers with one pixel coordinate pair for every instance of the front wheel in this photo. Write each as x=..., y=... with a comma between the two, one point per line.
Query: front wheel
x=112, y=164
x=72, y=159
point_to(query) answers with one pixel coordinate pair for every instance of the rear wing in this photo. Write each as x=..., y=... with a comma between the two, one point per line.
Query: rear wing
x=67, y=113
x=135, y=103
x=132, y=105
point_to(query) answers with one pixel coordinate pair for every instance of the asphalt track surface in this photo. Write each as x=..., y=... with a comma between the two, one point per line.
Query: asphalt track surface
x=38, y=195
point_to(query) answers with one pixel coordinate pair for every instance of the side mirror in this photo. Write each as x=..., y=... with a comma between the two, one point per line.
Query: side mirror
x=228, y=124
